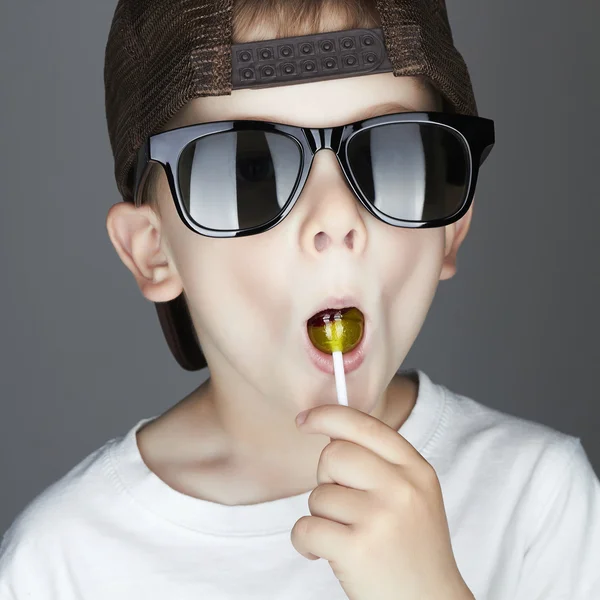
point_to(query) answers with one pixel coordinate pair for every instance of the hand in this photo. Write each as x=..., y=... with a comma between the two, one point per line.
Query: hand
x=378, y=513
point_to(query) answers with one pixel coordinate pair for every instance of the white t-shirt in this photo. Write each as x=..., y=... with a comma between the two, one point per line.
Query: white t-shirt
x=522, y=500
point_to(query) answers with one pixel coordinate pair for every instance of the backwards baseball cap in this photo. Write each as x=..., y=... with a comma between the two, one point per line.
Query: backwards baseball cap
x=161, y=54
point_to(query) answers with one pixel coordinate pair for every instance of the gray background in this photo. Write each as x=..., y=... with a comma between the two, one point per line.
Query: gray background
x=81, y=351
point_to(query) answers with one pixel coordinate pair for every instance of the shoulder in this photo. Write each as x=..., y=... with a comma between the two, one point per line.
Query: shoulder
x=511, y=454
x=63, y=508
x=535, y=485
x=475, y=422
x=506, y=463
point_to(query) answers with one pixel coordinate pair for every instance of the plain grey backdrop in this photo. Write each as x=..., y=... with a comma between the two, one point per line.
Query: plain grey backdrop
x=82, y=355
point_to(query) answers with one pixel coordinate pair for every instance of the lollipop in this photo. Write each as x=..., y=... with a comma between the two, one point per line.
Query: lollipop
x=337, y=331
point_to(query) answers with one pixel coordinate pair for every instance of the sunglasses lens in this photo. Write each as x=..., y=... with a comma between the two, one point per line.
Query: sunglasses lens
x=237, y=180
x=411, y=171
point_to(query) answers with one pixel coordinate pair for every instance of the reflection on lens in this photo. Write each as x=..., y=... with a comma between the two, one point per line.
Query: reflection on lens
x=238, y=179
x=411, y=171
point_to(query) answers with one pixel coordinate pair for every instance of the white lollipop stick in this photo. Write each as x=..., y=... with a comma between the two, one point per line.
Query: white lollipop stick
x=340, y=378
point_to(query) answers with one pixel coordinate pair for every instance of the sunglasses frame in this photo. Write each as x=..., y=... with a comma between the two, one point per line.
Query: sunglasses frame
x=165, y=148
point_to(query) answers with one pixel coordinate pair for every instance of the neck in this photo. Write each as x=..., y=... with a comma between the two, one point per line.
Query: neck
x=251, y=438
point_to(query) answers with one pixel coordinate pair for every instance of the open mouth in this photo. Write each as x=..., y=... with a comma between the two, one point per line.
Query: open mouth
x=333, y=328
x=336, y=329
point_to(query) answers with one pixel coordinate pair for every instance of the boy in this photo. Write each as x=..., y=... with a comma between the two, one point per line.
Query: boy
x=422, y=493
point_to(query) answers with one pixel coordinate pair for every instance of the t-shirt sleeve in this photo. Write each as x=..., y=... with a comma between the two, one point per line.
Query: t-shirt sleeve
x=25, y=566
x=562, y=561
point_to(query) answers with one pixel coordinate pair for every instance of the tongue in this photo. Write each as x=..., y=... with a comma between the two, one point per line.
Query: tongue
x=336, y=329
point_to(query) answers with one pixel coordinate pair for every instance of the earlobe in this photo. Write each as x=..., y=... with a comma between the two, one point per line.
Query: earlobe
x=135, y=235
x=455, y=235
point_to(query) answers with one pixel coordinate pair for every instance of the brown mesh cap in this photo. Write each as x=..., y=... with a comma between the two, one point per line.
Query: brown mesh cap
x=156, y=62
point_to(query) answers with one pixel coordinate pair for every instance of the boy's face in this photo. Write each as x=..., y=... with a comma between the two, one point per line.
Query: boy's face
x=250, y=297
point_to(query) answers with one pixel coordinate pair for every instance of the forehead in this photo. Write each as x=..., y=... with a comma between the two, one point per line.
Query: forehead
x=317, y=104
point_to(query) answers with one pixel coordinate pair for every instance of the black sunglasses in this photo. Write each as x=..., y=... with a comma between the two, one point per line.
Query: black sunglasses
x=237, y=178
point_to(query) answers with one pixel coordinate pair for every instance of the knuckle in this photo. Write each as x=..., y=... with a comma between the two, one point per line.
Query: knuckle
x=405, y=492
x=332, y=451
x=315, y=497
x=372, y=427
x=301, y=526
x=360, y=547
x=429, y=475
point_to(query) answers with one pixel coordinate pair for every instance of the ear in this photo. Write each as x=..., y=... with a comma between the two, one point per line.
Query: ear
x=135, y=232
x=455, y=234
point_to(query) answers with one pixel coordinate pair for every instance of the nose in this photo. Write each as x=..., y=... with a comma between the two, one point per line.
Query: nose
x=332, y=216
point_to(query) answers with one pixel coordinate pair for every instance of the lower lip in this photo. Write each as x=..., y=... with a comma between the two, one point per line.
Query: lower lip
x=352, y=359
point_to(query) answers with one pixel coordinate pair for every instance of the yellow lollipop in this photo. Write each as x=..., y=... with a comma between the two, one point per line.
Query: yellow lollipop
x=336, y=330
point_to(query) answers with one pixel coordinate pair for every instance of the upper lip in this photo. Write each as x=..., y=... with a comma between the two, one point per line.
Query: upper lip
x=337, y=302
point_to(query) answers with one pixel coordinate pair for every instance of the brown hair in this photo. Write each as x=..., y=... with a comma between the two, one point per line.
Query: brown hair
x=255, y=20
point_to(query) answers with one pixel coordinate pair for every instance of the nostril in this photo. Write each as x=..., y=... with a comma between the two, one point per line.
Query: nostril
x=350, y=239
x=321, y=241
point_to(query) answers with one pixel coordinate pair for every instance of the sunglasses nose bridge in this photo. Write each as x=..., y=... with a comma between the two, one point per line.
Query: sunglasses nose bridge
x=331, y=139
x=326, y=138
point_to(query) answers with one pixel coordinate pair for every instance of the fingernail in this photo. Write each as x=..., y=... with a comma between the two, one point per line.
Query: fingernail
x=301, y=417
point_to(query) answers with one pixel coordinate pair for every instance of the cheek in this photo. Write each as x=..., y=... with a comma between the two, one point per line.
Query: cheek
x=238, y=292
x=409, y=258
x=409, y=278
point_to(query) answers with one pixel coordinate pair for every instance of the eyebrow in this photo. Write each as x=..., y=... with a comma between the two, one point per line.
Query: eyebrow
x=373, y=111
x=381, y=109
